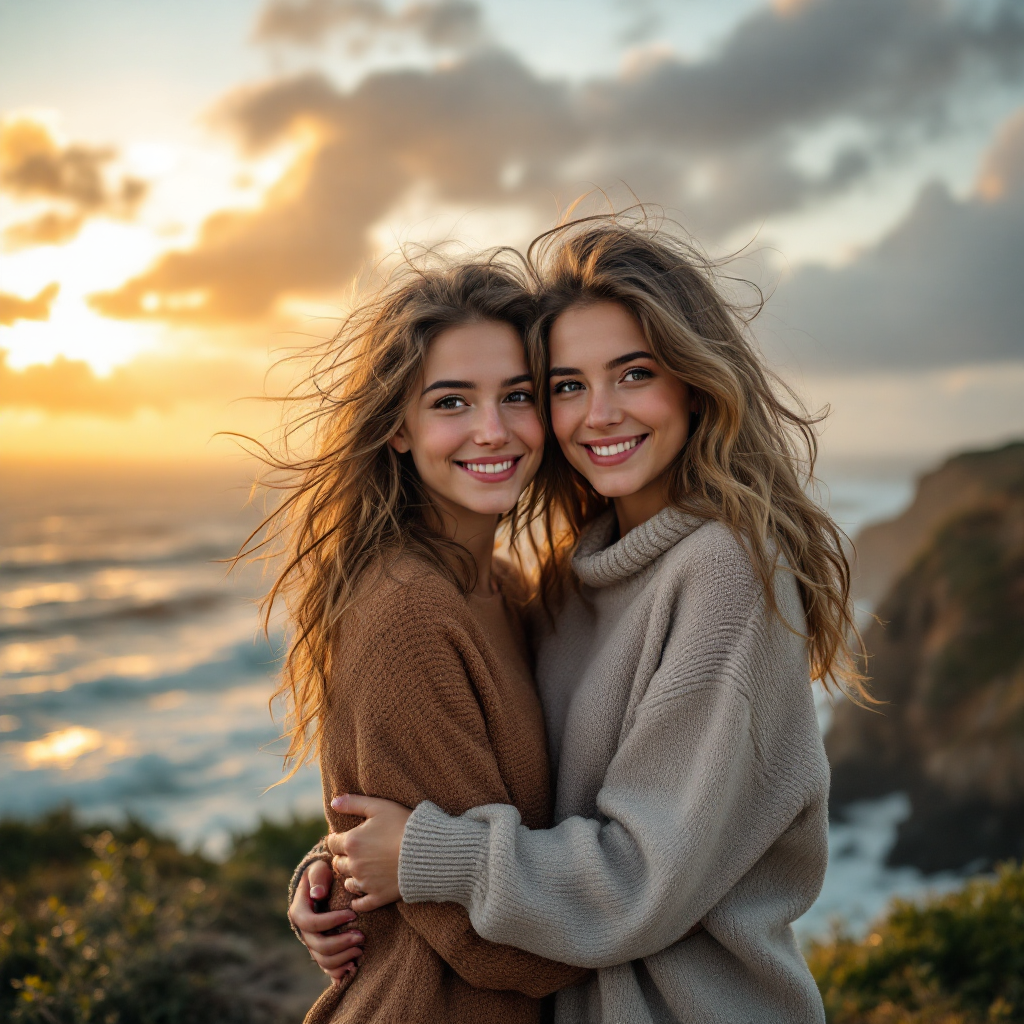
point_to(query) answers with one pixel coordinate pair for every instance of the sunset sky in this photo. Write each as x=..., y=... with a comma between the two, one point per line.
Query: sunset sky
x=190, y=188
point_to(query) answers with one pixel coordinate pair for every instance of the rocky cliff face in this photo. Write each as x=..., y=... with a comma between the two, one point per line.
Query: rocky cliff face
x=884, y=551
x=948, y=658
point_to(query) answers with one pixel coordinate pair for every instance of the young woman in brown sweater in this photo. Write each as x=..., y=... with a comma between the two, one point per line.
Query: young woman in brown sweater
x=406, y=671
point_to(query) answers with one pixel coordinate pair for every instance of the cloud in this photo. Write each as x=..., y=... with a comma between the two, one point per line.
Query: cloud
x=446, y=24
x=35, y=166
x=943, y=288
x=14, y=308
x=458, y=128
x=801, y=64
x=68, y=386
x=713, y=138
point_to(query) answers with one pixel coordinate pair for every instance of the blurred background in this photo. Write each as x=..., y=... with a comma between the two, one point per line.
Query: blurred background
x=191, y=188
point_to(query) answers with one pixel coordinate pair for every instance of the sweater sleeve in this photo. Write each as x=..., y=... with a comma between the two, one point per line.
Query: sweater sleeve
x=428, y=741
x=318, y=852
x=693, y=797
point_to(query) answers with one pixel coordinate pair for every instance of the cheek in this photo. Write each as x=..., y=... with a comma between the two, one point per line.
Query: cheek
x=436, y=441
x=666, y=409
x=564, y=419
x=530, y=431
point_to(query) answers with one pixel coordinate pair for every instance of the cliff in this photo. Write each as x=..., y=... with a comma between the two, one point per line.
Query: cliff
x=884, y=551
x=948, y=660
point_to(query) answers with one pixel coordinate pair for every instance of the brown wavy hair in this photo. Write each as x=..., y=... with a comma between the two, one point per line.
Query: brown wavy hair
x=352, y=502
x=752, y=446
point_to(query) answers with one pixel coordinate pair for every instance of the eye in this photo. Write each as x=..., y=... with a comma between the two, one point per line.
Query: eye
x=451, y=402
x=636, y=373
x=566, y=387
x=519, y=397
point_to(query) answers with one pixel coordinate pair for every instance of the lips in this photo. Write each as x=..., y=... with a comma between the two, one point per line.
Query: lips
x=493, y=469
x=610, y=451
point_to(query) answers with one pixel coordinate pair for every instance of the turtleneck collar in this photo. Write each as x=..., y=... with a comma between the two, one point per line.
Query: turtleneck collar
x=599, y=565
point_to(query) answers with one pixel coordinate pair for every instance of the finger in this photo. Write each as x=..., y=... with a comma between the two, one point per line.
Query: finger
x=339, y=974
x=334, y=945
x=319, y=879
x=341, y=867
x=336, y=842
x=355, y=887
x=306, y=921
x=332, y=963
x=367, y=903
x=360, y=806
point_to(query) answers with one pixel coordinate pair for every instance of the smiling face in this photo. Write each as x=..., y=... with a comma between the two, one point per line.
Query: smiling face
x=620, y=418
x=472, y=425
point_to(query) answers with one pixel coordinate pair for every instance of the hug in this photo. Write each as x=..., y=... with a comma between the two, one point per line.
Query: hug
x=577, y=774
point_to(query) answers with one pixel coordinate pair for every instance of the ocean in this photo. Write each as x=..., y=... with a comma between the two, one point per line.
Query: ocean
x=134, y=679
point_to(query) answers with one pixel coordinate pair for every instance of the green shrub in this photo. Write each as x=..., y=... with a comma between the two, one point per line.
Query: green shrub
x=957, y=959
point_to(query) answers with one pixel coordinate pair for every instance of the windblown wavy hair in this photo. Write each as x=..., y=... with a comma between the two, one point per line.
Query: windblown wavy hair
x=351, y=500
x=752, y=447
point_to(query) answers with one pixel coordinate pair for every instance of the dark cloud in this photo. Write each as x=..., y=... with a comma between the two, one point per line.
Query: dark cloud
x=76, y=178
x=14, y=308
x=69, y=386
x=445, y=24
x=942, y=289
x=801, y=64
x=713, y=139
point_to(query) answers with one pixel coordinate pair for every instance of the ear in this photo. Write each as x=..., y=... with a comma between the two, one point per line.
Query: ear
x=400, y=440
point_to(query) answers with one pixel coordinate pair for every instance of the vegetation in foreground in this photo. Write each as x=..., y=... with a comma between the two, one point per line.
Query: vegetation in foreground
x=957, y=959
x=120, y=926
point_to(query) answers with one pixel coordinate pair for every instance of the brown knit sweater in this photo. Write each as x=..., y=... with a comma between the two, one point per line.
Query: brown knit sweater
x=423, y=705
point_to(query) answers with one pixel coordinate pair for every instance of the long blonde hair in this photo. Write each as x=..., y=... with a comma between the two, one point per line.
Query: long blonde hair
x=752, y=447
x=354, y=501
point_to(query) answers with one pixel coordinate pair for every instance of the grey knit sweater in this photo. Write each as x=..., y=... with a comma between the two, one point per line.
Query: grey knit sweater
x=691, y=787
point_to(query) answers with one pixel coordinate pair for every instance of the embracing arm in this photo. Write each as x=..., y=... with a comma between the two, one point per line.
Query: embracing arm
x=700, y=788
x=426, y=738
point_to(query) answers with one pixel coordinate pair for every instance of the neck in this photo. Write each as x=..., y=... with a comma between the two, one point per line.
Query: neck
x=475, y=532
x=634, y=509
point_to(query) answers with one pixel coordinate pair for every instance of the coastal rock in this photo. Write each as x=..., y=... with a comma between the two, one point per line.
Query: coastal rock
x=884, y=551
x=947, y=658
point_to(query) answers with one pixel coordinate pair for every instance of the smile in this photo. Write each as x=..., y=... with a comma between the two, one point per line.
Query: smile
x=612, y=450
x=492, y=470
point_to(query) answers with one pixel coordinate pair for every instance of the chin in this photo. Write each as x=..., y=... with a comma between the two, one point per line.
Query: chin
x=491, y=506
x=616, y=486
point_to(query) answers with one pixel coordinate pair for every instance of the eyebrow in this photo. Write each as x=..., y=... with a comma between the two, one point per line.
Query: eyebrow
x=454, y=385
x=468, y=385
x=567, y=371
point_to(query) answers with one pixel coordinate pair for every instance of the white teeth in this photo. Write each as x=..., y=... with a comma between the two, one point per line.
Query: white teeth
x=614, y=449
x=489, y=467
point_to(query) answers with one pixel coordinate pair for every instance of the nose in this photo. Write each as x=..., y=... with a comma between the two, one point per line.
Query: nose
x=491, y=429
x=602, y=410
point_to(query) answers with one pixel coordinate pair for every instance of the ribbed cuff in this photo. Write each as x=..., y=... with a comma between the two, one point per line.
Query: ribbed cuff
x=319, y=852
x=442, y=857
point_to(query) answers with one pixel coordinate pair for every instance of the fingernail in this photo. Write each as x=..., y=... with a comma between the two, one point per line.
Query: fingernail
x=317, y=892
x=336, y=802
x=358, y=936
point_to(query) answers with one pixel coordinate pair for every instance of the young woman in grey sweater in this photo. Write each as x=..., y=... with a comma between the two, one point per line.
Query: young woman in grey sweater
x=674, y=669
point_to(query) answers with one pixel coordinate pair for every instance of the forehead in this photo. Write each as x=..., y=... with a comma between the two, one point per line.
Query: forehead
x=594, y=333
x=476, y=351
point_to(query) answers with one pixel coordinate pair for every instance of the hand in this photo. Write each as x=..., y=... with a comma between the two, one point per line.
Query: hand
x=368, y=853
x=336, y=955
